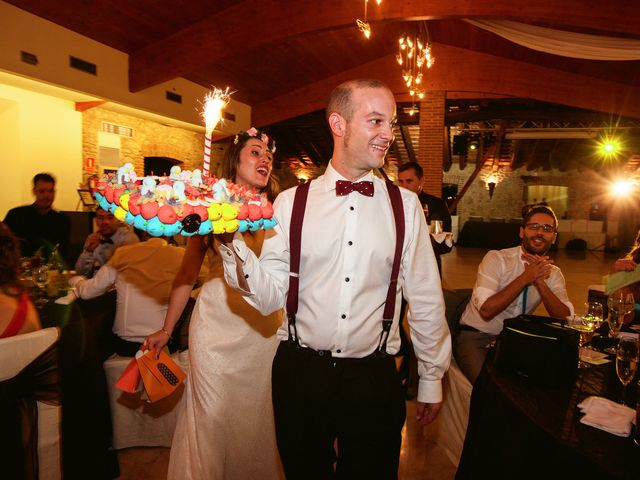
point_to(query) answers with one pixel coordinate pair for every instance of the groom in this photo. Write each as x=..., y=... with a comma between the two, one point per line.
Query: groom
x=334, y=375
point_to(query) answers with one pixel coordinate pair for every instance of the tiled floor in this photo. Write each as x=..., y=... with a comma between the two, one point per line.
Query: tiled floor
x=421, y=458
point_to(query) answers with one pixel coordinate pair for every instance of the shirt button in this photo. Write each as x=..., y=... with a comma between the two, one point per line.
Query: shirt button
x=246, y=275
x=346, y=279
x=351, y=208
x=338, y=351
x=349, y=243
x=343, y=316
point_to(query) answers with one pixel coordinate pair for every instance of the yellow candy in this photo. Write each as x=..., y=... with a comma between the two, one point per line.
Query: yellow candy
x=218, y=226
x=120, y=213
x=231, y=226
x=215, y=212
x=124, y=201
x=229, y=212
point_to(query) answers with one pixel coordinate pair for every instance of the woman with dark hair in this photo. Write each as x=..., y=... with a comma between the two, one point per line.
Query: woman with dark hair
x=17, y=314
x=225, y=429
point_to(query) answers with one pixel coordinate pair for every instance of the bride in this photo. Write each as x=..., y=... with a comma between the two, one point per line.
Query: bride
x=225, y=427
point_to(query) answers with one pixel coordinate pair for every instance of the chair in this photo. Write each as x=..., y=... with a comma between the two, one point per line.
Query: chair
x=137, y=423
x=32, y=354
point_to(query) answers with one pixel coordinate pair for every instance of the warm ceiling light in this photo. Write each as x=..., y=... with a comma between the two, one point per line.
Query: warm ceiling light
x=414, y=53
x=622, y=187
x=363, y=25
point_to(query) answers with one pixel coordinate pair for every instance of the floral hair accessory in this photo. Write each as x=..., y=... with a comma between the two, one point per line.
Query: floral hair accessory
x=254, y=132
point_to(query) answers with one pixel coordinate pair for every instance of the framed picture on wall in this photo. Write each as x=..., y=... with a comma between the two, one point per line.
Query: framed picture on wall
x=86, y=198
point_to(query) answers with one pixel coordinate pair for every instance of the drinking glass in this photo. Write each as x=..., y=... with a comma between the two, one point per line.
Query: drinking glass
x=626, y=361
x=40, y=277
x=585, y=329
x=593, y=314
x=619, y=306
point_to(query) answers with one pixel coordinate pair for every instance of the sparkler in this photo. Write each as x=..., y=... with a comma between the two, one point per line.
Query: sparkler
x=214, y=102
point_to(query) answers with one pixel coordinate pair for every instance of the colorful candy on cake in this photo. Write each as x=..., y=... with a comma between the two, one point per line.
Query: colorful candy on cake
x=183, y=203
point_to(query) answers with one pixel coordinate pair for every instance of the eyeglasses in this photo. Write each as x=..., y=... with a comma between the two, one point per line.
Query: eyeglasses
x=540, y=226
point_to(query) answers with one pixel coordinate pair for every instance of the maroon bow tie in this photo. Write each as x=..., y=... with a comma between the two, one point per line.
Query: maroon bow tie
x=344, y=187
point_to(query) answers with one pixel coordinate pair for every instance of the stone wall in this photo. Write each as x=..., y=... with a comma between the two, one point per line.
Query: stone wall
x=150, y=139
x=585, y=188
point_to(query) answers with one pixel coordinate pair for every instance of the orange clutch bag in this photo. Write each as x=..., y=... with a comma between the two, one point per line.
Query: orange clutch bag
x=161, y=376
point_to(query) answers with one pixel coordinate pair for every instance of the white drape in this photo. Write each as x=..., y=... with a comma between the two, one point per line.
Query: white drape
x=566, y=44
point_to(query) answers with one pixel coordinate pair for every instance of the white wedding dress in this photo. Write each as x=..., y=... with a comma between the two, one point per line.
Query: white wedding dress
x=225, y=428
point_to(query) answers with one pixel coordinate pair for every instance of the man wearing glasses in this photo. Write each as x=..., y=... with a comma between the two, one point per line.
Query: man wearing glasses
x=511, y=282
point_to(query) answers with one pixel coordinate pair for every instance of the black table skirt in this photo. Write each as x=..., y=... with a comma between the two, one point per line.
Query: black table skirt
x=520, y=430
x=493, y=235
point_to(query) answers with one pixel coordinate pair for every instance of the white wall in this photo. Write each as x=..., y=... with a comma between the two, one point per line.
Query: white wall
x=38, y=133
x=53, y=45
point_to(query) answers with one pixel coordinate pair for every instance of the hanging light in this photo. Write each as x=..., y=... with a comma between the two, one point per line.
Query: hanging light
x=363, y=25
x=414, y=56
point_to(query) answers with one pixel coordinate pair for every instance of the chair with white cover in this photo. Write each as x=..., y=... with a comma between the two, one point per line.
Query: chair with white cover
x=29, y=370
x=136, y=422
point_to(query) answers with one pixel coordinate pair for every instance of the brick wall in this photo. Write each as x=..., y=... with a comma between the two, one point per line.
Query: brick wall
x=431, y=142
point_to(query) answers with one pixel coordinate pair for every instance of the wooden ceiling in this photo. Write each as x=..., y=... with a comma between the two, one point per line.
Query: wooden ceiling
x=283, y=57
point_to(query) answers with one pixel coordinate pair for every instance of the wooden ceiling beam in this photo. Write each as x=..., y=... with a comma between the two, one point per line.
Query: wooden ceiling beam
x=254, y=24
x=458, y=69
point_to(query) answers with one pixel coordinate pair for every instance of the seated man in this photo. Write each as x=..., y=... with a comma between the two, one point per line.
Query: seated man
x=511, y=282
x=99, y=246
x=142, y=274
x=38, y=225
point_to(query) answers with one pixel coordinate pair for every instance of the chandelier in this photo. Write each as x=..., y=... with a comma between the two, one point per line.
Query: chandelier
x=414, y=57
x=363, y=25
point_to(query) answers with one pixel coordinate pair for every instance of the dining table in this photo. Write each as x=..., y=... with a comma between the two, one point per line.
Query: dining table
x=520, y=429
x=85, y=330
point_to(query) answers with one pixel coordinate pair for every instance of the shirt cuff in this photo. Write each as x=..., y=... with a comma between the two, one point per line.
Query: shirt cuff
x=430, y=391
x=229, y=261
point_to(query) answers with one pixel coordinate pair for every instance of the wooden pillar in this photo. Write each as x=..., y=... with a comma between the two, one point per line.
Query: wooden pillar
x=432, y=145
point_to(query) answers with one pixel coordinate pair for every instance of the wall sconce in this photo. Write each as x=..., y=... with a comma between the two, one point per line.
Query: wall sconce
x=492, y=187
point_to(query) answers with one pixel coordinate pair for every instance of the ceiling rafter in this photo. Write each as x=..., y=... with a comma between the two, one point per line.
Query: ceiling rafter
x=220, y=35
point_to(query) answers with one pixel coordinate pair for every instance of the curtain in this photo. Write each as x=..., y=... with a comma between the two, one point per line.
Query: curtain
x=558, y=42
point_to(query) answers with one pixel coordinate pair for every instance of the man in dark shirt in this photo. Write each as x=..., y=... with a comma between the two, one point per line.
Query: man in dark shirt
x=411, y=177
x=39, y=225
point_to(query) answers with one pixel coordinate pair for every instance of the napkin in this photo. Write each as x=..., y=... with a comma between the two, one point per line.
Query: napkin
x=591, y=356
x=607, y=415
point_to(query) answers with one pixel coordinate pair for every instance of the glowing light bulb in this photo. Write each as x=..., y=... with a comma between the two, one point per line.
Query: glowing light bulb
x=622, y=187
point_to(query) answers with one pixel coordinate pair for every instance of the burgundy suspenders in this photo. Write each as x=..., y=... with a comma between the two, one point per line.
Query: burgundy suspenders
x=295, y=236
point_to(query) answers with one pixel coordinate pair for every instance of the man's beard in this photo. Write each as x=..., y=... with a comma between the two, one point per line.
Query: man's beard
x=526, y=245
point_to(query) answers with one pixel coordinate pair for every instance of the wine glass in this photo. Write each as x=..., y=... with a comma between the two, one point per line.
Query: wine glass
x=617, y=303
x=40, y=277
x=585, y=329
x=593, y=314
x=626, y=361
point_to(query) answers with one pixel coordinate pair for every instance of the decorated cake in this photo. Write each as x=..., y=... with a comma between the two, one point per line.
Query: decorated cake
x=183, y=203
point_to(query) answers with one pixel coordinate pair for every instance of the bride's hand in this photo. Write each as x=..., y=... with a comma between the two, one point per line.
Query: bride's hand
x=156, y=341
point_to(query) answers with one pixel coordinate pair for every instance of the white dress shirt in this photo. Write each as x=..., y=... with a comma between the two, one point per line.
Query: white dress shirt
x=88, y=262
x=497, y=270
x=142, y=274
x=346, y=257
